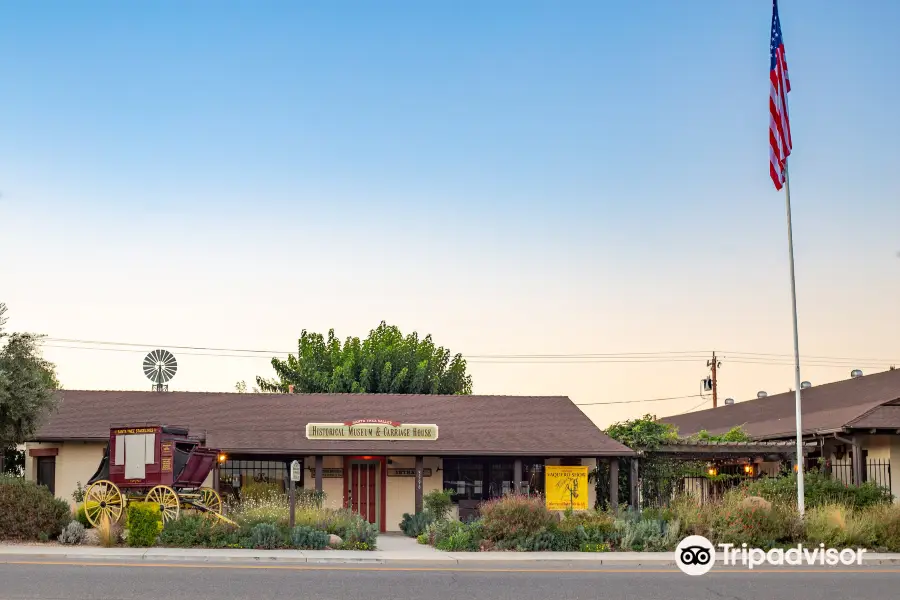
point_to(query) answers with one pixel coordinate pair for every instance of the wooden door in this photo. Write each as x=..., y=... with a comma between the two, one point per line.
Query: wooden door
x=363, y=490
x=46, y=472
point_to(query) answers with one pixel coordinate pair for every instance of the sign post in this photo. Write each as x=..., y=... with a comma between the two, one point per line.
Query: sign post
x=296, y=472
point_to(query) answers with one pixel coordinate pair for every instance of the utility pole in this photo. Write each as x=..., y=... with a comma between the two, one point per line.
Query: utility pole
x=713, y=365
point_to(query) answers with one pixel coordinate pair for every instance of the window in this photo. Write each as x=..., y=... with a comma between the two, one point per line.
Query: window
x=534, y=478
x=476, y=479
x=237, y=473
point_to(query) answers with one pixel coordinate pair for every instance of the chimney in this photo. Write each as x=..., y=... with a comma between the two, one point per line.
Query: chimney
x=761, y=394
x=729, y=401
x=805, y=385
x=856, y=373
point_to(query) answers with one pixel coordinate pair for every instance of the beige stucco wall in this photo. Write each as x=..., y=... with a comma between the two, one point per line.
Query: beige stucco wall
x=401, y=491
x=879, y=447
x=332, y=486
x=76, y=462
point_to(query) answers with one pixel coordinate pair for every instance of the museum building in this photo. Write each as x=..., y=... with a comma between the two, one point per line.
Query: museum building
x=377, y=454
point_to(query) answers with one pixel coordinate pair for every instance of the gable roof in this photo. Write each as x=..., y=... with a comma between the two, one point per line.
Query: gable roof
x=828, y=407
x=276, y=423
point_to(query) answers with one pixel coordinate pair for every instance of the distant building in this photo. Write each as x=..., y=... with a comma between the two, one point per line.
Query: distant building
x=855, y=423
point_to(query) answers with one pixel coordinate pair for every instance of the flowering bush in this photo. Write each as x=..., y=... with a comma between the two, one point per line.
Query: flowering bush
x=514, y=517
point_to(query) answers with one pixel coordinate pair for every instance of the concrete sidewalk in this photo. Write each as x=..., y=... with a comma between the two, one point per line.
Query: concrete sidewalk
x=422, y=554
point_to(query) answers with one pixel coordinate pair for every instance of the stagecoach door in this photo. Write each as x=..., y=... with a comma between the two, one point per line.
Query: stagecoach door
x=364, y=489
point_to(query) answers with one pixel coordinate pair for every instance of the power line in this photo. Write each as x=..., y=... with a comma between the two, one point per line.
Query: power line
x=637, y=401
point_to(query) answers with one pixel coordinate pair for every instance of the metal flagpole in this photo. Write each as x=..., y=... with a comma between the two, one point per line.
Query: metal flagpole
x=801, y=504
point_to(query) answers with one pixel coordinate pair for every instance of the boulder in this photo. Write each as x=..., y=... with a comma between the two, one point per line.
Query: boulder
x=334, y=541
x=756, y=502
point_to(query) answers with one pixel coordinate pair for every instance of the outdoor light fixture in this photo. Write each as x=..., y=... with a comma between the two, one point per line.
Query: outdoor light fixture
x=712, y=471
x=222, y=457
x=748, y=469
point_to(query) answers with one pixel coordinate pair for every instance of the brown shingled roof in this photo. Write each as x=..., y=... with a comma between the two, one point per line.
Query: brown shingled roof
x=832, y=406
x=275, y=423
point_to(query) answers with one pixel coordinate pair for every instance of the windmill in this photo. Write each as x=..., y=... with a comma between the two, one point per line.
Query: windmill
x=159, y=367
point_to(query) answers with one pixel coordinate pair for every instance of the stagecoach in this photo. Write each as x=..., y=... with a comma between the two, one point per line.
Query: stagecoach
x=152, y=463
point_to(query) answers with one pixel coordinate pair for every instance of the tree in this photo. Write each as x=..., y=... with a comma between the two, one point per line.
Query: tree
x=386, y=362
x=27, y=386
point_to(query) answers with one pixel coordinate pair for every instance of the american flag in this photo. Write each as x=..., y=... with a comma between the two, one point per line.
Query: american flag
x=779, y=124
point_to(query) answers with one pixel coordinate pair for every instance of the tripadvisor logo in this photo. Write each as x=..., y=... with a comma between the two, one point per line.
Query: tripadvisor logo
x=696, y=555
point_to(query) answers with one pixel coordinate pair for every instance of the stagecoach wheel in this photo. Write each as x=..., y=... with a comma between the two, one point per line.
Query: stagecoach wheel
x=103, y=500
x=211, y=499
x=168, y=501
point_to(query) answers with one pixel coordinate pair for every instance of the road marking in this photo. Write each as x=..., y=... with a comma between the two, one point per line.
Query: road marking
x=307, y=567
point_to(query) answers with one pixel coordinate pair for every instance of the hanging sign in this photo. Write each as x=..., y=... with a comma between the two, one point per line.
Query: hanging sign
x=296, y=471
x=371, y=429
x=566, y=487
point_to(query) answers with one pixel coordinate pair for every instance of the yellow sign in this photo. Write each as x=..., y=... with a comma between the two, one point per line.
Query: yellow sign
x=362, y=430
x=566, y=487
x=132, y=430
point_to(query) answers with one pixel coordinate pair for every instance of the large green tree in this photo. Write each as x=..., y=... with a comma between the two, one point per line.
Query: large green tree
x=386, y=362
x=27, y=385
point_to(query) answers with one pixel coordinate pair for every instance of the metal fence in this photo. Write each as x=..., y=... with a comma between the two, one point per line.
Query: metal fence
x=877, y=470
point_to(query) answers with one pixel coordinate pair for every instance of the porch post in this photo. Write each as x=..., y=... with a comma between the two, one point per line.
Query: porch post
x=517, y=475
x=420, y=477
x=614, y=483
x=319, y=461
x=857, y=462
x=635, y=488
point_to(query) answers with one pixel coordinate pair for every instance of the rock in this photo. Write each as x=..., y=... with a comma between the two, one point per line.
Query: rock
x=756, y=502
x=334, y=541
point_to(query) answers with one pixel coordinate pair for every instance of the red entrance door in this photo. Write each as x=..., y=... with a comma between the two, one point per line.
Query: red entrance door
x=363, y=490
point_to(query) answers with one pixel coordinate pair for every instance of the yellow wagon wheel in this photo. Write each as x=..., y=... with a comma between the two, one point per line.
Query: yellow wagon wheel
x=168, y=501
x=103, y=500
x=211, y=499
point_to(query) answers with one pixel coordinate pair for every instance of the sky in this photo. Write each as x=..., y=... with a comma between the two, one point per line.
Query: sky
x=514, y=178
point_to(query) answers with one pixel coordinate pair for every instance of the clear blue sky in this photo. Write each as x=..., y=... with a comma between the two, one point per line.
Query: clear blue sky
x=606, y=162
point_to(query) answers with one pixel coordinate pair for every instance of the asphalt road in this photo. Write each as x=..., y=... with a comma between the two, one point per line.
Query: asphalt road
x=57, y=580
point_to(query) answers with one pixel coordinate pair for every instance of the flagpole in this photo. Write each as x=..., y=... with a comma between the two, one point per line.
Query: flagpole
x=801, y=503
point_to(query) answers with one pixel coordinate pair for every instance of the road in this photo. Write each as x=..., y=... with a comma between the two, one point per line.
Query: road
x=58, y=580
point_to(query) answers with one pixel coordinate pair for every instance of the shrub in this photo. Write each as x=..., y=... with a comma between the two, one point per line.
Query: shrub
x=109, y=533
x=193, y=531
x=309, y=498
x=820, y=490
x=414, y=525
x=597, y=526
x=438, y=503
x=265, y=536
x=731, y=521
x=455, y=536
x=267, y=509
x=594, y=547
x=307, y=538
x=514, y=517
x=888, y=532
x=648, y=535
x=838, y=526
x=78, y=494
x=360, y=531
x=260, y=490
x=81, y=517
x=144, y=523
x=73, y=534
x=29, y=511
x=422, y=538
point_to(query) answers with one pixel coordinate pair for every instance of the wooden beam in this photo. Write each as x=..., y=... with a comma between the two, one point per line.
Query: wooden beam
x=34, y=452
x=614, y=484
x=319, y=461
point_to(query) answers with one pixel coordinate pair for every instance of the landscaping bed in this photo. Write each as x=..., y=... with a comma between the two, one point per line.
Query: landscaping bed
x=761, y=514
x=29, y=513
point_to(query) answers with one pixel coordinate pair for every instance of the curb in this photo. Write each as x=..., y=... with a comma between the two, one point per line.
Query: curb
x=620, y=559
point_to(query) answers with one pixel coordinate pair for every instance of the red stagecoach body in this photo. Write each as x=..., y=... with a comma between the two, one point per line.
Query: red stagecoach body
x=153, y=463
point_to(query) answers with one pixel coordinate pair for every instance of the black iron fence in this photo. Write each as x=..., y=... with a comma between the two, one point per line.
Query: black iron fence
x=877, y=470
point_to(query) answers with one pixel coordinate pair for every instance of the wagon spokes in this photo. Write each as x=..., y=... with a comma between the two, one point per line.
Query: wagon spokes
x=167, y=500
x=102, y=500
